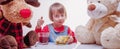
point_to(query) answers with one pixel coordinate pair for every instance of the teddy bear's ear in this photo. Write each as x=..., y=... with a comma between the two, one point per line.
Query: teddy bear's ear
x=3, y=2
x=34, y=3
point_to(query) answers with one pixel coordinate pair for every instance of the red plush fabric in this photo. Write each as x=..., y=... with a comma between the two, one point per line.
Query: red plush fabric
x=14, y=29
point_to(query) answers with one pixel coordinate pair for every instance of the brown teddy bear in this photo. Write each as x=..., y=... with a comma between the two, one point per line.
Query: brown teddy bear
x=16, y=13
x=8, y=42
x=30, y=39
x=103, y=14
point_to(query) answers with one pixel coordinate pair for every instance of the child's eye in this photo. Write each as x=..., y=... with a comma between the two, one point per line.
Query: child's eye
x=90, y=2
x=98, y=1
x=56, y=16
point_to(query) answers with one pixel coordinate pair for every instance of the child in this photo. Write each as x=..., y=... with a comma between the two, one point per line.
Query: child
x=57, y=15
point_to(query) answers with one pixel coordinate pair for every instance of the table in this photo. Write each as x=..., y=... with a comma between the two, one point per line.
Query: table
x=71, y=46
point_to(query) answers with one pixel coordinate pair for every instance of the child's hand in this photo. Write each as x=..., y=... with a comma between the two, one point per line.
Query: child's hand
x=40, y=22
x=70, y=40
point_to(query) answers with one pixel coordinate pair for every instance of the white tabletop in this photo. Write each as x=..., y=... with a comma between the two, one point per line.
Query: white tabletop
x=70, y=46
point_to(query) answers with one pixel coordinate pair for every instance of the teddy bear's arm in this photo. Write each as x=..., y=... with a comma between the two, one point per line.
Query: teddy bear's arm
x=115, y=18
x=90, y=23
x=27, y=24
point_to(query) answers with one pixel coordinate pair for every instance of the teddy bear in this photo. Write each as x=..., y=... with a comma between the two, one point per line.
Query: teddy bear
x=110, y=37
x=103, y=14
x=16, y=13
x=30, y=39
x=8, y=42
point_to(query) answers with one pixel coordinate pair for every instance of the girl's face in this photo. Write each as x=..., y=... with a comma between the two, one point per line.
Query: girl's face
x=59, y=18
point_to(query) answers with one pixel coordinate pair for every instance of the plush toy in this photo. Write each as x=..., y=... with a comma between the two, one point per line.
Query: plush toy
x=110, y=37
x=8, y=42
x=16, y=13
x=103, y=14
x=30, y=39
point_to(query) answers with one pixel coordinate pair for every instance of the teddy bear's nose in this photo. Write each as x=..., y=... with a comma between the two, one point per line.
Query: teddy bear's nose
x=91, y=7
x=25, y=13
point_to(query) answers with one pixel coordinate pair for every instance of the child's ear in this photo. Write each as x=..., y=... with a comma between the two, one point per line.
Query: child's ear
x=34, y=3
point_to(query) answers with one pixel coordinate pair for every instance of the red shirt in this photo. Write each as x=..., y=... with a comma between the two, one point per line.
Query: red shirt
x=58, y=29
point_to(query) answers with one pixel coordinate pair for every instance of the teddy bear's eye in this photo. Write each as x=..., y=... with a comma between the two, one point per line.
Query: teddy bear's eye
x=98, y=1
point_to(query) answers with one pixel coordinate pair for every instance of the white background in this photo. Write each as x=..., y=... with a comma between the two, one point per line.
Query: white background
x=76, y=13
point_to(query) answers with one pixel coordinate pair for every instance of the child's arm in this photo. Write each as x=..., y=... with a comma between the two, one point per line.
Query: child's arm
x=39, y=29
x=39, y=24
x=71, y=33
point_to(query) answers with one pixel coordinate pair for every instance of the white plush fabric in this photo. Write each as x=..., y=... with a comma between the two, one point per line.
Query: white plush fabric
x=109, y=38
x=84, y=35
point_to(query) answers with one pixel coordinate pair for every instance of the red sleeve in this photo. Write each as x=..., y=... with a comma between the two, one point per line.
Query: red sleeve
x=37, y=29
x=71, y=33
x=45, y=28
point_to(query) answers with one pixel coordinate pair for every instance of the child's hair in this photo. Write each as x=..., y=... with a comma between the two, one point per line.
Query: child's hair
x=56, y=7
x=1, y=11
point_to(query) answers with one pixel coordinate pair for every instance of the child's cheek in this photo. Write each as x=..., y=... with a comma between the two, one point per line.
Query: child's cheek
x=56, y=19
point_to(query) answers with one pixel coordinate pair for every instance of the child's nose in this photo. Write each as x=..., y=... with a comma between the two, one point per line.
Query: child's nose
x=60, y=17
x=25, y=13
x=91, y=7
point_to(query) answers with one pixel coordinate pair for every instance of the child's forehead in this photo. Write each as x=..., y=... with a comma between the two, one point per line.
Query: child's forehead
x=55, y=11
x=58, y=13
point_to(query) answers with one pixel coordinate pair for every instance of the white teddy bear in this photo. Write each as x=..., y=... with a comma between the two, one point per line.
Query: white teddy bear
x=110, y=37
x=103, y=15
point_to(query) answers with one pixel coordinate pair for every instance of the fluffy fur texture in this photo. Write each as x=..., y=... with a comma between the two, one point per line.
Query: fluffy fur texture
x=16, y=13
x=8, y=42
x=103, y=15
x=30, y=39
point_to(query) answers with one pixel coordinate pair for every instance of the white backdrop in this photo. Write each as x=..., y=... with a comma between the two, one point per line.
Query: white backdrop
x=76, y=13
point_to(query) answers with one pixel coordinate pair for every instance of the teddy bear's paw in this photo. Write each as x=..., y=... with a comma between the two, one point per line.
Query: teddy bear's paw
x=83, y=35
x=31, y=38
x=108, y=38
x=117, y=27
x=4, y=44
x=8, y=42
